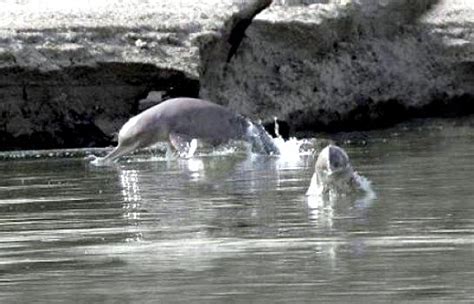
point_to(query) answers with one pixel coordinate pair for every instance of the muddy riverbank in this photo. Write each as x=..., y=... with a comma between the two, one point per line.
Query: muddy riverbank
x=72, y=74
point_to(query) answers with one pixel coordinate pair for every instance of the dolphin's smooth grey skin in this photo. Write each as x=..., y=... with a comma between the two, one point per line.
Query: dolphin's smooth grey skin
x=183, y=119
x=333, y=171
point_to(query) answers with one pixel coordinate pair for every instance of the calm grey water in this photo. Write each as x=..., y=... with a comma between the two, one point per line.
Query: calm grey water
x=239, y=229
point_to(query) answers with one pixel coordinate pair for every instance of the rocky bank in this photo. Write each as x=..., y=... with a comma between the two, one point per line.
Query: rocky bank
x=72, y=73
x=347, y=65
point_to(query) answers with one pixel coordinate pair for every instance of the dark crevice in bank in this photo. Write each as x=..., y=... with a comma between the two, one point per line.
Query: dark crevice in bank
x=81, y=106
x=243, y=21
x=217, y=51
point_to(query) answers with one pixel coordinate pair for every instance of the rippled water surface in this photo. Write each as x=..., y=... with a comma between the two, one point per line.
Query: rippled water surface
x=227, y=227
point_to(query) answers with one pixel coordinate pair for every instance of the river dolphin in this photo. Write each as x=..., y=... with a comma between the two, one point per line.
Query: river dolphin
x=333, y=172
x=180, y=120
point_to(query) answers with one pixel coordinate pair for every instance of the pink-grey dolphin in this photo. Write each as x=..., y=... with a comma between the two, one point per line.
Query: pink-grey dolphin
x=180, y=120
x=333, y=171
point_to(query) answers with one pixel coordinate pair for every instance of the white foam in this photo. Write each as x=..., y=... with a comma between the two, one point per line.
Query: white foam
x=98, y=161
x=292, y=147
x=363, y=191
x=193, y=146
x=225, y=150
x=365, y=185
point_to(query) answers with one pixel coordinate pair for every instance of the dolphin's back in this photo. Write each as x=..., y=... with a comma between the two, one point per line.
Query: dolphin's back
x=201, y=119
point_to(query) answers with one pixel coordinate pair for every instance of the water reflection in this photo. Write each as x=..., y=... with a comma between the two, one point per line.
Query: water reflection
x=129, y=181
x=193, y=167
x=130, y=187
x=174, y=230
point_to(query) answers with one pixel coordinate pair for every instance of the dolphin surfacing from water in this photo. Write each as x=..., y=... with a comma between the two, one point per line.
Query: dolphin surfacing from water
x=179, y=120
x=333, y=172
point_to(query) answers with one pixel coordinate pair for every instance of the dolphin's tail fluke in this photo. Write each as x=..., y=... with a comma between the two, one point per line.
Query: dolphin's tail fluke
x=260, y=140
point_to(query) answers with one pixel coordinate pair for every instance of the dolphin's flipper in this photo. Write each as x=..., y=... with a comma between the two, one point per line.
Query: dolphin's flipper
x=185, y=145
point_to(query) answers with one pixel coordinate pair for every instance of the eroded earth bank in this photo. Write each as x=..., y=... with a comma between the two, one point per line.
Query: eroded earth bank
x=72, y=73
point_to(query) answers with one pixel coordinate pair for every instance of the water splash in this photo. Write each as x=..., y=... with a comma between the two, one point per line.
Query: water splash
x=360, y=191
x=290, y=151
x=54, y=153
x=98, y=161
x=294, y=147
x=192, y=148
x=366, y=186
x=223, y=150
x=261, y=142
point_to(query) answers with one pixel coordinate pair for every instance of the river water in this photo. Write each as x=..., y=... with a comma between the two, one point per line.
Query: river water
x=231, y=227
